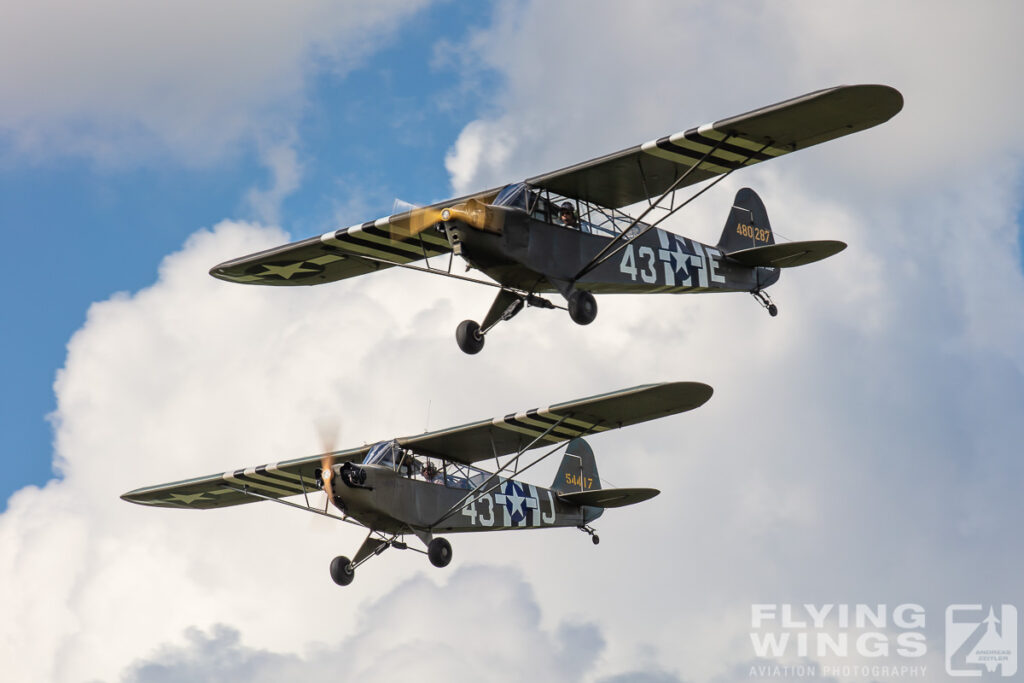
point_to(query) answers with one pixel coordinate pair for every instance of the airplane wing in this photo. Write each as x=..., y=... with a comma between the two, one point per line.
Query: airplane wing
x=345, y=253
x=276, y=480
x=509, y=434
x=467, y=444
x=646, y=171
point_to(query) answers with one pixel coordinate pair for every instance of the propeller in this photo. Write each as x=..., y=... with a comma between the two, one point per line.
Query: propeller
x=473, y=212
x=328, y=429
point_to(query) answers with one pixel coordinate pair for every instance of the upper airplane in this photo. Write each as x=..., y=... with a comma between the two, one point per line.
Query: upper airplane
x=565, y=232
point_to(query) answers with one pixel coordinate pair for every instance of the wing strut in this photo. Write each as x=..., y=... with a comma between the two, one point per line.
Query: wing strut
x=487, y=486
x=245, y=491
x=611, y=249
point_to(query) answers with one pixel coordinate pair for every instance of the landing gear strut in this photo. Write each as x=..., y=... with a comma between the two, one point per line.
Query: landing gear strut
x=766, y=301
x=593, y=534
x=470, y=335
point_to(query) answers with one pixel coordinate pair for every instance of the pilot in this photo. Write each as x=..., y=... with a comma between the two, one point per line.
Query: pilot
x=430, y=473
x=567, y=214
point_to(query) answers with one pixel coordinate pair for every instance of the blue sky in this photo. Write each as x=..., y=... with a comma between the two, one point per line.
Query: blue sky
x=862, y=447
x=364, y=138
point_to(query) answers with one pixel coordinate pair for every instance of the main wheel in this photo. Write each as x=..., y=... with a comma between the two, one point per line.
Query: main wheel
x=596, y=539
x=342, y=571
x=439, y=551
x=468, y=336
x=582, y=307
x=773, y=310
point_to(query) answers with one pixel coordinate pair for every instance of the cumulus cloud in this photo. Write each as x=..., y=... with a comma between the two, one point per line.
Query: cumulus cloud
x=491, y=631
x=861, y=447
x=118, y=81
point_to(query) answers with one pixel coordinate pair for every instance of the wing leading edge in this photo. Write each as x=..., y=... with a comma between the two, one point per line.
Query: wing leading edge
x=344, y=253
x=646, y=171
x=466, y=444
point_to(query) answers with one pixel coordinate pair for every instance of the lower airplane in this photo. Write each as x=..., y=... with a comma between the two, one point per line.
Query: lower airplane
x=428, y=483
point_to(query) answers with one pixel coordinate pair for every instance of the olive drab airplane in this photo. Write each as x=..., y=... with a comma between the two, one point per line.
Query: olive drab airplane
x=565, y=232
x=430, y=483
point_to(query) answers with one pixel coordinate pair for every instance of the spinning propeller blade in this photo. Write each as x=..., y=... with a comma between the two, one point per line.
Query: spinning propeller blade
x=328, y=429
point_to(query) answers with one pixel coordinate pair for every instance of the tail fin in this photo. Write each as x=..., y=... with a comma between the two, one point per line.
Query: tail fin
x=747, y=225
x=578, y=471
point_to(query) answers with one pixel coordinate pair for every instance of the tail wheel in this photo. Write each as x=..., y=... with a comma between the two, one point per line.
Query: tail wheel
x=582, y=307
x=468, y=336
x=342, y=571
x=439, y=551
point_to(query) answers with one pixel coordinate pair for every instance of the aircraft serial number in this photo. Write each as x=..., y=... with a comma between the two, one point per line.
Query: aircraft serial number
x=758, y=234
x=581, y=481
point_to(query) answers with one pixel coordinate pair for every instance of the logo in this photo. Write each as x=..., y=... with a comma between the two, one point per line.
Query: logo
x=980, y=641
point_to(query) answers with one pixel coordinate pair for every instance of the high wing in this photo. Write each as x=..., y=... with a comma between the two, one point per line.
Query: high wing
x=276, y=480
x=545, y=426
x=646, y=171
x=466, y=444
x=345, y=253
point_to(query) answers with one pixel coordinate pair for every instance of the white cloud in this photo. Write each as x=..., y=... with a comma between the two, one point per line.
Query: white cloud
x=117, y=81
x=491, y=631
x=860, y=447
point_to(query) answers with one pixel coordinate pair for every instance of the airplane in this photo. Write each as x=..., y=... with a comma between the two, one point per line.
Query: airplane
x=430, y=483
x=565, y=232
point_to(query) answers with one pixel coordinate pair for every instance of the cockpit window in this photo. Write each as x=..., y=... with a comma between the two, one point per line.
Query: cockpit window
x=385, y=453
x=514, y=196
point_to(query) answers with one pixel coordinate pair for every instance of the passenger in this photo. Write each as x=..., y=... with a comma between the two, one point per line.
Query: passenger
x=430, y=473
x=567, y=214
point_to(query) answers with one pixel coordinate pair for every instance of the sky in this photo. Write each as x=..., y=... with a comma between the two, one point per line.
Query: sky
x=860, y=448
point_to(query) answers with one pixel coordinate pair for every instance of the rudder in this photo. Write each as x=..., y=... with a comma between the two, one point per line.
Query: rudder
x=747, y=225
x=578, y=471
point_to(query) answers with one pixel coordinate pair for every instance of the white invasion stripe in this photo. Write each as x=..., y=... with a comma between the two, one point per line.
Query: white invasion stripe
x=376, y=253
x=276, y=469
x=523, y=417
x=589, y=426
x=703, y=147
x=682, y=159
x=230, y=478
x=382, y=223
x=252, y=474
x=500, y=422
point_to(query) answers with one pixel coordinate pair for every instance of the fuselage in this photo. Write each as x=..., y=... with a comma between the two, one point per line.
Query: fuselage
x=393, y=501
x=534, y=255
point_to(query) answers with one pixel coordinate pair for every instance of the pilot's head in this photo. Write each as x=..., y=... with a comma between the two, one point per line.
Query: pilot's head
x=567, y=214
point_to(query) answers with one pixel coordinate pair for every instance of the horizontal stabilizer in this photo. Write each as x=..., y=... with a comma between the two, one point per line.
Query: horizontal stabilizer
x=787, y=254
x=609, y=498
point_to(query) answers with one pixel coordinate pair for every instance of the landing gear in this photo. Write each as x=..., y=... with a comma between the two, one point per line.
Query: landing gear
x=342, y=570
x=593, y=535
x=469, y=337
x=766, y=302
x=582, y=307
x=439, y=550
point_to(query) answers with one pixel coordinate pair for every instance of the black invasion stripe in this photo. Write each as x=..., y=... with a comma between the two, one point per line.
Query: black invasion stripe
x=414, y=246
x=669, y=146
x=262, y=471
x=374, y=246
x=241, y=476
x=562, y=432
x=694, y=136
x=577, y=430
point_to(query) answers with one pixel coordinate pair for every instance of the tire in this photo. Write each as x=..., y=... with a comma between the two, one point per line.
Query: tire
x=468, y=336
x=341, y=570
x=582, y=307
x=439, y=551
